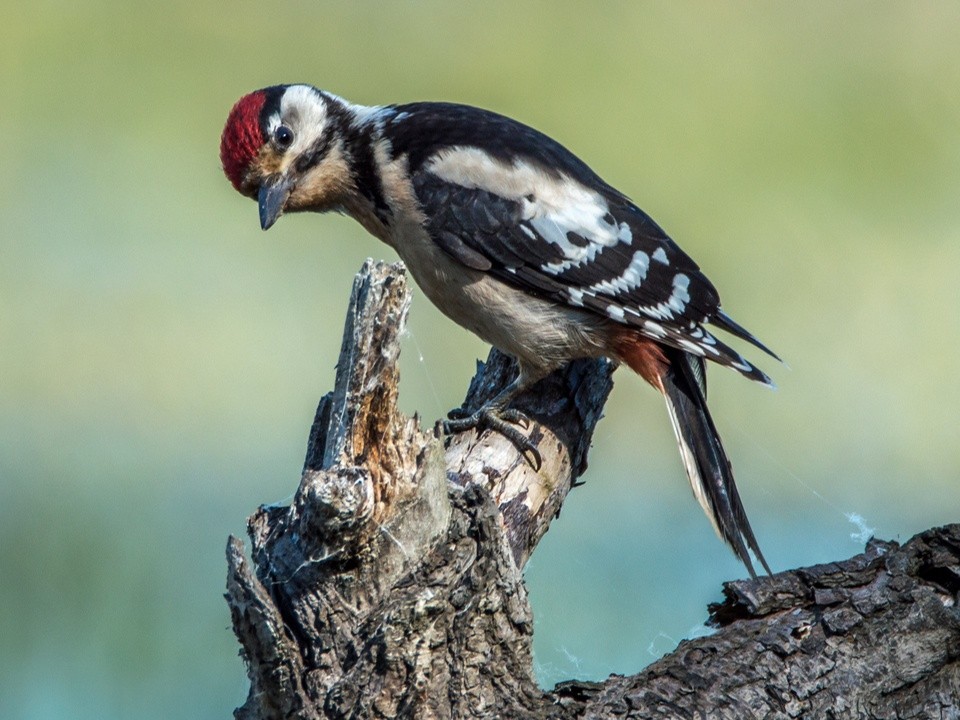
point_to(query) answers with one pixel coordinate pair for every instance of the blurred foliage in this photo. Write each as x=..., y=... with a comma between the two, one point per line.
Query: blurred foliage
x=160, y=357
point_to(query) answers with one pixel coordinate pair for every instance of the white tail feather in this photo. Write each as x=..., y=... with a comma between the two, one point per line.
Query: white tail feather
x=690, y=465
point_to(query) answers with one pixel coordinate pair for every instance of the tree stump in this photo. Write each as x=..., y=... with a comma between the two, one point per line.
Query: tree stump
x=391, y=587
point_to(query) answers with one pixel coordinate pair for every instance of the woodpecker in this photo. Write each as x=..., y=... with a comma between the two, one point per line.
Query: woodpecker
x=516, y=239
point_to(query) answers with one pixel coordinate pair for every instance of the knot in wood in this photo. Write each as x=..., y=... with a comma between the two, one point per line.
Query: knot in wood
x=335, y=504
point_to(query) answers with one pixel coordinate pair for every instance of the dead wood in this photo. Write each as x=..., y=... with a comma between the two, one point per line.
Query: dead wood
x=391, y=586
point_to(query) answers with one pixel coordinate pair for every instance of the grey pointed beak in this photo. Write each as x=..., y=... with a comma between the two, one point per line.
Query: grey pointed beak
x=273, y=196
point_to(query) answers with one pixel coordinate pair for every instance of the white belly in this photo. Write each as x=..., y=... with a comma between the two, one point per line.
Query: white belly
x=542, y=335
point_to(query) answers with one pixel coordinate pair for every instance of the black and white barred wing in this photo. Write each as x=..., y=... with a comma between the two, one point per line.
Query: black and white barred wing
x=593, y=249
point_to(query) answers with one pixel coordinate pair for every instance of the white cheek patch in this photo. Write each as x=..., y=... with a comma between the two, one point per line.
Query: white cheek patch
x=301, y=108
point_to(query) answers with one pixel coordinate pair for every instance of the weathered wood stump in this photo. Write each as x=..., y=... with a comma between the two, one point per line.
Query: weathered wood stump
x=391, y=586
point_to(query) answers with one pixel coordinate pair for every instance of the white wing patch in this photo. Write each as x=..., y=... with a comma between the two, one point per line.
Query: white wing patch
x=680, y=295
x=629, y=280
x=586, y=220
x=615, y=312
x=654, y=329
x=675, y=304
x=553, y=206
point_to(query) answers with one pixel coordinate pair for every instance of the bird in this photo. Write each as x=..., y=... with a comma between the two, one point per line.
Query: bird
x=516, y=239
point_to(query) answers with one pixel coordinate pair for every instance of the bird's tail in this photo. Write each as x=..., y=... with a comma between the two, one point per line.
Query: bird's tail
x=681, y=378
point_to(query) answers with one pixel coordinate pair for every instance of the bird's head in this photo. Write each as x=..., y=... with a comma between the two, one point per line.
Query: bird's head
x=283, y=145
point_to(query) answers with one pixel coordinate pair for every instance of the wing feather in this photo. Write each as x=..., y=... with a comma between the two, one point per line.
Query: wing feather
x=587, y=247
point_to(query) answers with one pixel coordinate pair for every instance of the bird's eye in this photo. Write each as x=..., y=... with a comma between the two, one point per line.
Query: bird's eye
x=283, y=136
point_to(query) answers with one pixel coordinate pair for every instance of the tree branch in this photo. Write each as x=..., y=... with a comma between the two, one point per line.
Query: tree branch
x=391, y=586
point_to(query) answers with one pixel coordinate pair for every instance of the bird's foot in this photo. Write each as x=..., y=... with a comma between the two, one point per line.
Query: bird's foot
x=503, y=421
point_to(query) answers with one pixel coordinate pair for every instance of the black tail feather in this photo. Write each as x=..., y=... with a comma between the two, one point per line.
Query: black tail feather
x=706, y=463
x=725, y=322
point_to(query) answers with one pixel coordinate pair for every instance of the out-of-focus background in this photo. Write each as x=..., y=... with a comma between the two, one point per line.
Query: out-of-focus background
x=161, y=357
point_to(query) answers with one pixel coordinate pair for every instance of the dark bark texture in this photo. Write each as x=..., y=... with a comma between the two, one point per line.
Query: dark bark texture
x=391, y=587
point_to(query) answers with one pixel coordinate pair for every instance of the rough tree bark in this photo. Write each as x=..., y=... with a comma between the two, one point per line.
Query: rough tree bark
x=391, y=586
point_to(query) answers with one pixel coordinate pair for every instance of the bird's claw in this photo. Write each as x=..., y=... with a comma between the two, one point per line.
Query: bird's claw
x=459, y=413
x=515, y=417
x=501, y=421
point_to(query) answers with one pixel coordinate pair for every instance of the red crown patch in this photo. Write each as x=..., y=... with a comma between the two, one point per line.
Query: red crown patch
x=242, y=137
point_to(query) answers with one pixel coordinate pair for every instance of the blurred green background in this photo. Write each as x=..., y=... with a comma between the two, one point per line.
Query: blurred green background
x=161, y=357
